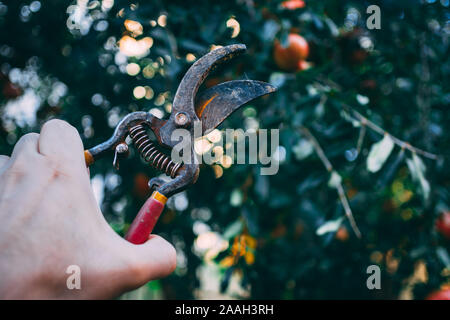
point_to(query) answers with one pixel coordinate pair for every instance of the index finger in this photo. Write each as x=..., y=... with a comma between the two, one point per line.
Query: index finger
x=61, y=142
x=3, y=162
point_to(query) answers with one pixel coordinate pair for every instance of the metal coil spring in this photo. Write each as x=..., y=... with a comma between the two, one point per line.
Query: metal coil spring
x=151, y=154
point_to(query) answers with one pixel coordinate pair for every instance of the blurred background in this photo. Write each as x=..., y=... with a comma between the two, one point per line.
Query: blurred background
x=363, y=118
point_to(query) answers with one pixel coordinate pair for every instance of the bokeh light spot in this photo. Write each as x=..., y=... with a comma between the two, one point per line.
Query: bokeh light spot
x=133, y=69
x=139, y=92
x=234, y=24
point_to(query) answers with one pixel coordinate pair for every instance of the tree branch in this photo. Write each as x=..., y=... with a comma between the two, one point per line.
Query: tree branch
x=339, y=187
x=402, y=144
x=376, y=128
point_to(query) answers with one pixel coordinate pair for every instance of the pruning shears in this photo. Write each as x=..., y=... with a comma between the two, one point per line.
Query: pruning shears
x=211, y=107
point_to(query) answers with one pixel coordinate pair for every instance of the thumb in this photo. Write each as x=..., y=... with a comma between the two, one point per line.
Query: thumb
x=153, y=259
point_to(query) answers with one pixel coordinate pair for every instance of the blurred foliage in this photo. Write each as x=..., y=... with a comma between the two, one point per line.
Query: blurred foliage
x=280, y=236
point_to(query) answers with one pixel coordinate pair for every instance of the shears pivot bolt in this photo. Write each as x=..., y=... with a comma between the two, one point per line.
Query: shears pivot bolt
x=182, y=119
x=121, y=151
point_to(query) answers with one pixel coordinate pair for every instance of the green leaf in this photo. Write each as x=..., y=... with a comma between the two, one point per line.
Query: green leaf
x=443, y=256
x=347, y=117
x=154, y=285
x=329, y=226
x=379, y=152
x=362, y=100
x=332, y=26
x=236, y=198
x=335, y=180
x=277, y=79
x=233, y=229
x=270, y=30
x=417, y=169
x=284, y=38
x=302, y=149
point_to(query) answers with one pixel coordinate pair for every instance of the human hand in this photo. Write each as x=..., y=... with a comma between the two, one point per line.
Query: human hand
x=49, y=220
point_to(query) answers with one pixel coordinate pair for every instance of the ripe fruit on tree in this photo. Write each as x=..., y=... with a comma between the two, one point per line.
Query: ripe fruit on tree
x=358, y=56
x=342, y=234
x=293, y=4
x=290, y=58
x=11, y=91
x=443, y=224
x=351, y=48
x=303, y=65
x=141, y=188
x=443, y=294
x=368, y=85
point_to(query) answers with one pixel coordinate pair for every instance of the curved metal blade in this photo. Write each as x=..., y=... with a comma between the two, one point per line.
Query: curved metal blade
x=185, y=97
x=187, y=90
x=215, y=104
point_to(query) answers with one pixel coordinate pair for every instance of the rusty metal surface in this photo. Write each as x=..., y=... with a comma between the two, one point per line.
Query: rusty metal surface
x=184, y=100
x=215, y=104
x=212, y=106
x=122, y=130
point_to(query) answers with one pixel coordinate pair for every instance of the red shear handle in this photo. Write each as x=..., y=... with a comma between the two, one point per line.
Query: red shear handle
x=146, y=219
